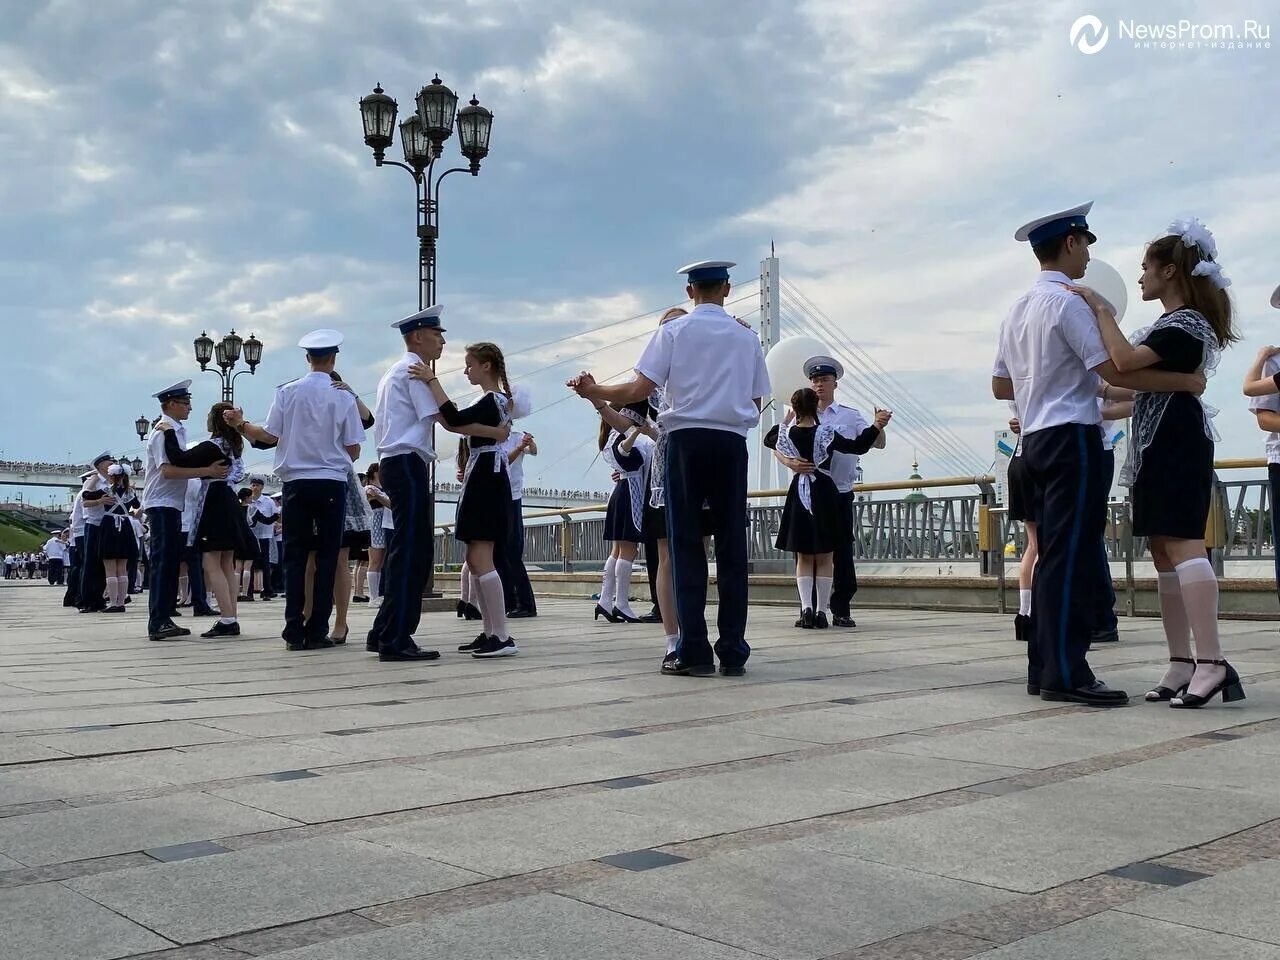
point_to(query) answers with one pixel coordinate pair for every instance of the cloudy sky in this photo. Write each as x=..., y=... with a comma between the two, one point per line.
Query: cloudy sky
x=186, y=166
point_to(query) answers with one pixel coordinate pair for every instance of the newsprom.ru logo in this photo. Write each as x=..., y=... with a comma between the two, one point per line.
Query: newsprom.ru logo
x=1088, y=35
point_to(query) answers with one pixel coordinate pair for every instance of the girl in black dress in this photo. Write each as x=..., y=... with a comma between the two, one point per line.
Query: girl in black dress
x=219, y=527
x=484, y=507
x=1170, y=468
x=119, y=544
x=626, y=444
x=380, y=505
x=811, y=526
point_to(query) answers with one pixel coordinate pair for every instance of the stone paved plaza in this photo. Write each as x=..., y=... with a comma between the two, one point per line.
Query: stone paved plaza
x=888, y=792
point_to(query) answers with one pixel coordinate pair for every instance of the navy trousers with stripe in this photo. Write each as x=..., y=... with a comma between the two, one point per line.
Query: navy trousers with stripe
x=314, y=511
x=1068, y=469
x=711, y=466
x=410, y=551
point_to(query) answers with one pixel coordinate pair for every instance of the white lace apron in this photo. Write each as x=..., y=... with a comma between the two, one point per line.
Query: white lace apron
x=638, y=479
x=499, y=460
x=236, y=475
x=822, y=438
x=1149, y=408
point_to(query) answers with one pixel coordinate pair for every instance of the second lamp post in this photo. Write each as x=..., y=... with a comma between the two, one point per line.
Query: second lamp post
x=226, y=353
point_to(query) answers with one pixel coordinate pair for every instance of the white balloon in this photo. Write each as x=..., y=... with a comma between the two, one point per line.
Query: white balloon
x=1104, y=278
x=446, y=445
x=786, y=366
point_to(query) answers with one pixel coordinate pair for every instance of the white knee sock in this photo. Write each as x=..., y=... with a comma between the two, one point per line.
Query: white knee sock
x=112, y=584
x=1024, y=602
x=489, y=587
x=184, y=589
x=824, y=593
x=607, y=585
x=804, y=586
x=375, y=583
x=466, y=585
x=1199, y=586
x=622, y=586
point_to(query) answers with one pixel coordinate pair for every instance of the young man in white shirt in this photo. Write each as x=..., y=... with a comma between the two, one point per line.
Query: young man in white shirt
x=93, y=576
x=262, y=516
x=316, y=432
x=75, y=565
x=404, y=414
x=1048, y=354
x=713, y=371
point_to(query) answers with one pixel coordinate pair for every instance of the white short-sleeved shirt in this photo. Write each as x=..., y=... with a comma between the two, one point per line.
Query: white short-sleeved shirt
x=93, y=509
x=1049, y=345
x=515, y=469
x=77, y=518
x=849, y=422
x=712, y=369
x=1270, y=402
x=190, y=501
x=404, y=413
x=266, y=507
x=315, y=422
x=55, y=549
x=158, y=491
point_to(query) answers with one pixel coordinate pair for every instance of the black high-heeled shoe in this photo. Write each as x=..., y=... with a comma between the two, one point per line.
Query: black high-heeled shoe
x=473, y=612
x=461, y=609
x=1229, y=686
x=620, y=617
x=602, y=612
x=1164, y=693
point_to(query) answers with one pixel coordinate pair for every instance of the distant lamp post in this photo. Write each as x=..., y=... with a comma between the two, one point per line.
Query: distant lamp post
x=422, y=139
x=137, y=466
x=226, y=353
x=141, y=426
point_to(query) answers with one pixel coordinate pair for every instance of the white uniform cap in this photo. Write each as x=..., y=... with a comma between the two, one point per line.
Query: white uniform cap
x=87, y=474
x=428, y=319
x=705, y=270
x=822, y=366
x=1056, y=224
x=319, y=342
x=100, y=457
x=179, y=389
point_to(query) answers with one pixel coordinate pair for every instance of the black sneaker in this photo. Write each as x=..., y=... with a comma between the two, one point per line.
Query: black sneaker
x=496, y=648
x=221, y=629
x=478, y=643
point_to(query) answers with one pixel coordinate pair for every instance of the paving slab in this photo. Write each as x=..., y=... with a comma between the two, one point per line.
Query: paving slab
x=194, y=900
x=1239, y=902
x=142, y=736
x=98, y=831
x=788, y=900
x=544, y=927
x=1040, y=838
x=1125, y=937
x=46, y=921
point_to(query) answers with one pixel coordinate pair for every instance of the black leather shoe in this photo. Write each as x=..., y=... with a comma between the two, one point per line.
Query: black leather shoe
x=221, y=629
x=840, y=620
x=207, y=612
x=1033, y=690
x=1096, y=694
x=370, y=647
x=653, y=616
x=678, y=668
x=602, y=612
x=620, y=617
x=807, y=620
x=521, y=614
x=1104, y=636
x=735, y=671
x=413, y=653
x=669, y=658
x=176, y=613
x=170, y=631
x=820, y=620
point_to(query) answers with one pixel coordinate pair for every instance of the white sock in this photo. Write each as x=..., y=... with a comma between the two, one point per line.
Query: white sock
x=1199, y=586
x=1024, y=602
x=824, y=593
x=111, y=591
x=489, y=588
x=672, y=642
x=622, y=586
x=607, y=585
x=227, y=620
x=804, y=586
x=375, y=583
x=466, y=585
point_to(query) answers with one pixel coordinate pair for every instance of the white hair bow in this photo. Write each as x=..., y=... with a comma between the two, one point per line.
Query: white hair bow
x=1193, y=233
x=1213, y=270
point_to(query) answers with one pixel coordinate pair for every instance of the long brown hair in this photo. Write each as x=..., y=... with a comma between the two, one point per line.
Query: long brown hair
x=372, y=474
x=805, y=403
x=486, y=352
x=1200, y=293
x=219, y=429
x=464, y=453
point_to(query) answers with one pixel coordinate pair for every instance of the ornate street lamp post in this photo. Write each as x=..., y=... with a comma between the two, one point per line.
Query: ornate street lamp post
x=226, y=353
x=422, y=139
x=141, y=426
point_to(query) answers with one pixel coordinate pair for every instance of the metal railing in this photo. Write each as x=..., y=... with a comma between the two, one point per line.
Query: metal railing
x=916, y=528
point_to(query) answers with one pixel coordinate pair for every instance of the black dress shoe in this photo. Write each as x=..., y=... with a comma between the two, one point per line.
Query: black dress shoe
x=353, y=599
x=114, y=610
x=1104, y=636
x=1096, y=694
x=176, y=613
x=370, y=646
x=840, y=620
x=413, y=653
x=602, y=612
x=678, y=668
x=170, y=631
x=651, y=617
x=820, y=620
x=620, y=617
x=669, y=658
x=221, y=629
x=207, y=612
x=734, y=671
x=806, y=621
x=521, y=614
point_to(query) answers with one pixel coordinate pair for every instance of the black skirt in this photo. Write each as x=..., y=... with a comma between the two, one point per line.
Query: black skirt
x=618, y=522
x=117, y=540
x=223, y=524
x=821, y=531
x=357, y=544
x=484, y=512
x=1022, y=492
x=654, y=522
x=1174, y=487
